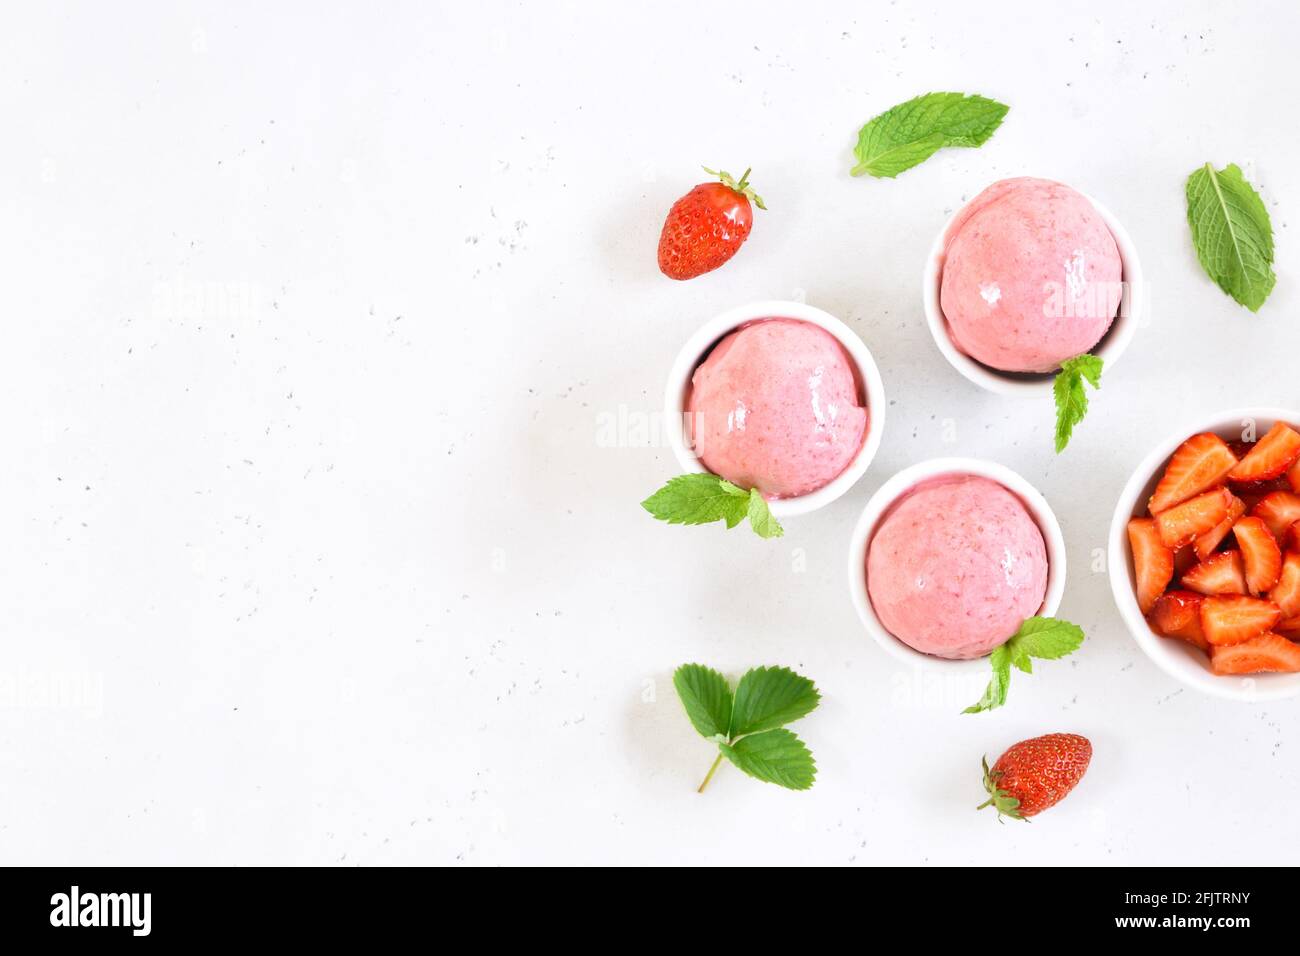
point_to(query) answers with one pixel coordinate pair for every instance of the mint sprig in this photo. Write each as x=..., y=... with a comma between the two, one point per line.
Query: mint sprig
x=1232, y=233
x=1046, y=638
x=911, y=132
x=1070, y=395
x=748, y=727
x=704, y=498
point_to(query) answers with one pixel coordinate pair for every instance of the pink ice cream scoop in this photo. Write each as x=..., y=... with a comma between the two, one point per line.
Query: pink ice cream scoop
x=956, y=566
x=776, y=406
x=1031, y=276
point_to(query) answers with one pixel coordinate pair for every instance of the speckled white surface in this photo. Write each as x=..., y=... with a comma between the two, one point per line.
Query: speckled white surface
x=321, y=536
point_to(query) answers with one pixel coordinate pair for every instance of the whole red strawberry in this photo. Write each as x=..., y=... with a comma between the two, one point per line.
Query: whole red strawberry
x=706, y=226
x=1035, y=774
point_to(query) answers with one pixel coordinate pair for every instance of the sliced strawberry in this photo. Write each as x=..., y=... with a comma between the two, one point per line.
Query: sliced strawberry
x=1291, y=541
x=1267, y=653
x=1259, y=489
x=1259, y=552
x=1184, y=523
x=1293, y=475
x=1251, y=498
x=1178, y=614
x=1280, y=510
x=1207, y=542
x=1286, y=593
x=1289, y=627
x=1153, y=563
x=1222, y=573
x=1199, y=463
x=1272, y=455
x=1231, y=619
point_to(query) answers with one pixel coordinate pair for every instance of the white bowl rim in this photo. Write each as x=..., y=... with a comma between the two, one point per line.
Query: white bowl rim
x=704, y=338
x=1113, y=344
x=903, y=482
x=1174, y=657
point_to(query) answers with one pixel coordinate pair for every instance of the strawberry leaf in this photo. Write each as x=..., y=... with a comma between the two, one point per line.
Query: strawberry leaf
x=776, y=756
x=771, y=697
x=706, y=695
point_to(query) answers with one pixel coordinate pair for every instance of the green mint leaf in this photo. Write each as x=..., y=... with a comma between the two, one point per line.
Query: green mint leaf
x=1070, y=395
x=995, y=695
x=760, y=517
x=771, y=697
x=775, y=756
x=699, y=499
x=1020, y=659
x=1232, y=233
x=909, y=133
x=706, y=695
x=1046, y=638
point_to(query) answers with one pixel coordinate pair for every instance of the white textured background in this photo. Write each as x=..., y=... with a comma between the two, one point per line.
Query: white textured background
x=311, y=549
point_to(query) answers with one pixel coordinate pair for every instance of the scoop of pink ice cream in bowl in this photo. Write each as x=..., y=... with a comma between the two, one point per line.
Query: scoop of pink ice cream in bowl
x=950, y=557
x=1028, y=274
x=778, y=396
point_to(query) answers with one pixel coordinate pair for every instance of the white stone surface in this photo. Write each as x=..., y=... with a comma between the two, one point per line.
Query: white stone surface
x=315, y=547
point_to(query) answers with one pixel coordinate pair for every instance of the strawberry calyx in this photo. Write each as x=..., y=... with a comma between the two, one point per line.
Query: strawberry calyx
x=1002, y=801
x=743, y=187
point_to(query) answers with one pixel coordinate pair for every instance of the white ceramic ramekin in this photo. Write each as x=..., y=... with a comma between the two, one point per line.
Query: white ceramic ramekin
x=697, y=348
x=905, y=481
x=1177, y=658
x=1110, y=348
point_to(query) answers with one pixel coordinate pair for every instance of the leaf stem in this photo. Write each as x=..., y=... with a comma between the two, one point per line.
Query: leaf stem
x=712, y=770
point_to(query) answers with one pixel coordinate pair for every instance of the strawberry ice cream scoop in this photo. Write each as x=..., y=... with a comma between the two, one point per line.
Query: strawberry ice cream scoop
x=776, y=406
x=956, y=566
x=1031, y=276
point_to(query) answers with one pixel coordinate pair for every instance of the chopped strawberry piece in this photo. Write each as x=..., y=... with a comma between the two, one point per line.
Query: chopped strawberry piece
x=1291, y=541
x=1207, y=542
x=1178, y=614
x=1222, y=573
x=1272, y=455
x=1184, y=560
x=1293, y=475
x=1199, y=463
x=1231, y=619
x=1184, y=523
x=1267, y=653
x=1259, y=552
x=1153, y=563
x=1289, y=626
x=1286, y=593
x=1259, y=489
x=1280, y=510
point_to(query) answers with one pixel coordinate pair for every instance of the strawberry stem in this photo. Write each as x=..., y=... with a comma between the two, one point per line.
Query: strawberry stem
x=712, y=770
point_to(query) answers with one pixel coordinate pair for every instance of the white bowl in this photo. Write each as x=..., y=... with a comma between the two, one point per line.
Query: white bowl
x=1177, y=658
x=905, y=481
x=1110, y=348
x=697, y=348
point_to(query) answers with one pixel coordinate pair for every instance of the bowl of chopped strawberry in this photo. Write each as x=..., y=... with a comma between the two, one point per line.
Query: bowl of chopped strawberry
x=1205, y=555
